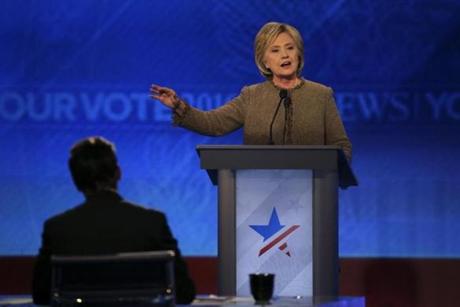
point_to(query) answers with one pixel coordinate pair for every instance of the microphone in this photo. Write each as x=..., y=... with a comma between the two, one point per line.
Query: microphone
x=283, y=94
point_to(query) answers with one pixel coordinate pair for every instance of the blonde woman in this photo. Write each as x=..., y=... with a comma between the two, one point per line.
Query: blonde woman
x=309, y=115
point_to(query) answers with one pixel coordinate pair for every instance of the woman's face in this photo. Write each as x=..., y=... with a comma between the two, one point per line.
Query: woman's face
x=281, y=57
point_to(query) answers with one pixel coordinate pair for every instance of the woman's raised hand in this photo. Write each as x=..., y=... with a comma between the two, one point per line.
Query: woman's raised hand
x=165, y=95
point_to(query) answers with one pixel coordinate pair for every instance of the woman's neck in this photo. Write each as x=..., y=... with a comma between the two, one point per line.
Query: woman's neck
x=286, y=83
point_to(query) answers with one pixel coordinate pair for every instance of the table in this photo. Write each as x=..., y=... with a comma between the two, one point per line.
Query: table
x=26, y=300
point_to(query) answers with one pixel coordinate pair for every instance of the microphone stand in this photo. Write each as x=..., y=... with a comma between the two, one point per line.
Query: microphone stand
x=283, y=94
x=287, y=105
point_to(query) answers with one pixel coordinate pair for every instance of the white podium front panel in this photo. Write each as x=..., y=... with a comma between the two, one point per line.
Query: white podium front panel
x=274, y=229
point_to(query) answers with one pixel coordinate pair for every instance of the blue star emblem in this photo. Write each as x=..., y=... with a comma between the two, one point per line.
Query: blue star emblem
x=269, y=230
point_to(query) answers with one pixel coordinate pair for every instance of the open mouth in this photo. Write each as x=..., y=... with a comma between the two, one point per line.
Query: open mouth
x=286, y=64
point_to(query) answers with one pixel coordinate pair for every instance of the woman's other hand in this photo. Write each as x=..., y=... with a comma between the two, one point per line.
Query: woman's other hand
x=165, y=95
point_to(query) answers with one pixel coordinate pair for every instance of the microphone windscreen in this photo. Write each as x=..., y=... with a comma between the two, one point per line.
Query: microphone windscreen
x=283, y=93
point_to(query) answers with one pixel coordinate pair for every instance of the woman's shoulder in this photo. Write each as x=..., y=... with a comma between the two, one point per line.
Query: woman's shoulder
x=315, y=86
x=256, y=89
x=261, y=86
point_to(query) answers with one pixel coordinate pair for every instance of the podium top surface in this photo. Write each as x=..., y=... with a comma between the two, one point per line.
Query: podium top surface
x=326, y=157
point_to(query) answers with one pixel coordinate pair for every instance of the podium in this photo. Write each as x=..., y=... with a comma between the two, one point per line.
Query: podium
x=277, y=213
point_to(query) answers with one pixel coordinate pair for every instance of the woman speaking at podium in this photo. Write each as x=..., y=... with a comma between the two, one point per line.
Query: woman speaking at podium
x=285, y=109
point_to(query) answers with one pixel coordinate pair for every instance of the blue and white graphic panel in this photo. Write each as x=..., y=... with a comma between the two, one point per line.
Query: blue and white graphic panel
x=274, y=233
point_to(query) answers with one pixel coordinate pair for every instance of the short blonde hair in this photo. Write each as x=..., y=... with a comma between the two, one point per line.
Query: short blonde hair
x=267, y=34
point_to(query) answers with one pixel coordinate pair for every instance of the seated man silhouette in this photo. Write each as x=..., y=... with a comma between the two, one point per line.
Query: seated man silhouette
x=104, y=223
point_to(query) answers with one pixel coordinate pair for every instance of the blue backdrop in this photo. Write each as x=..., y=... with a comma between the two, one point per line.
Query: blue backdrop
x=71, y=69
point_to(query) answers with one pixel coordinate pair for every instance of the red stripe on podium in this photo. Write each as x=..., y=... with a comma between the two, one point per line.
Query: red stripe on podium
x=266, y=248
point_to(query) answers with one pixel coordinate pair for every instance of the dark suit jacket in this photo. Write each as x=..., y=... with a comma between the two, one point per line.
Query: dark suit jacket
x=106, y=224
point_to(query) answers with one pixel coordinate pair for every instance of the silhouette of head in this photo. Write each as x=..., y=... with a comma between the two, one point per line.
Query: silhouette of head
x=93, y=165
